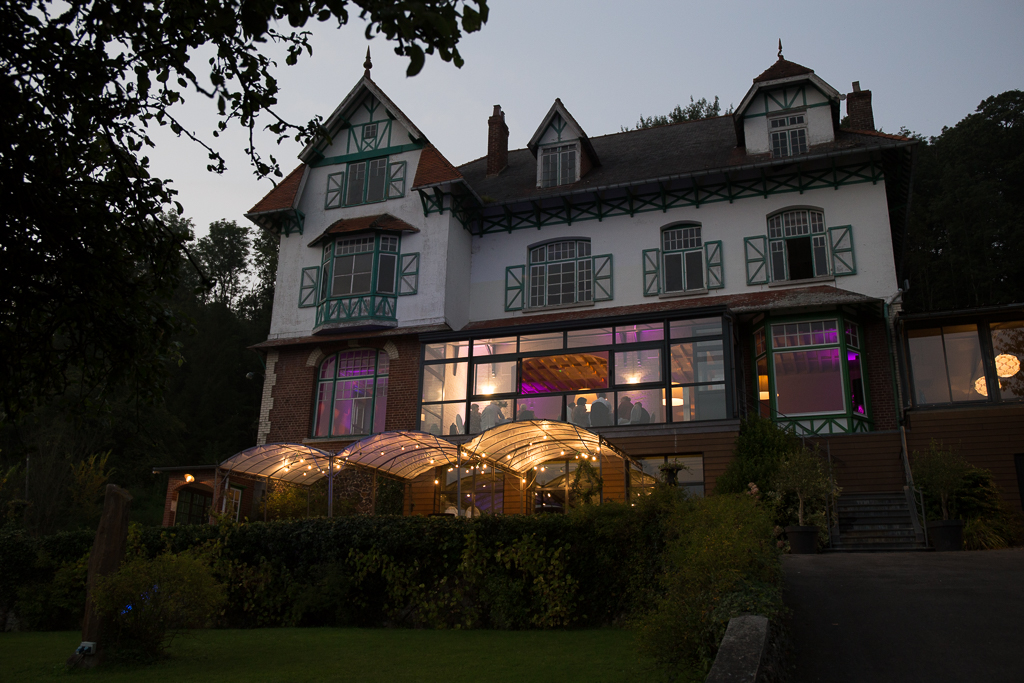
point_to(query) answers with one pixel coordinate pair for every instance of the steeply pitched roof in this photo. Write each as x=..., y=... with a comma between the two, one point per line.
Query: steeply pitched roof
x=379, y=221
x=782, y=68
x=433, y=168
x=641, y=155
x=559, y=108
x=282, y=196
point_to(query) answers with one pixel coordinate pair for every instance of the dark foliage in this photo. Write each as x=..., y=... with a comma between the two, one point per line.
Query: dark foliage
x=966, y=227
x=694, y=111
x=760, y=448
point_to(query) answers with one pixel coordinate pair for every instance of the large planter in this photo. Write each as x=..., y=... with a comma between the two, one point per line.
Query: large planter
x=946, y=534
x=803, y=540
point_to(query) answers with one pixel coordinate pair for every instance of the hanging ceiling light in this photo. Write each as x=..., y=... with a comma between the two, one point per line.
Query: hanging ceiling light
x=1007, y=365
x=980, y=386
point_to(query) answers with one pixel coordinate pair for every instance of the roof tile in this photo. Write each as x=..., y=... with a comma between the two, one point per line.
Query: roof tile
x=282, y=196
x=378, y=221
x=434, y=168
x=782, y=69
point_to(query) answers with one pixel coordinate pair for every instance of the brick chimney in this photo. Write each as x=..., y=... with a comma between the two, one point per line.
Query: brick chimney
x=858, y=109
x=497, y=142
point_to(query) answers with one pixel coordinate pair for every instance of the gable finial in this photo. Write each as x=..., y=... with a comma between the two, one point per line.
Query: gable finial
x=780, y=48
x=367, y=65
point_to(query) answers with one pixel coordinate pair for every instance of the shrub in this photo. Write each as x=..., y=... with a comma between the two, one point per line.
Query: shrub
x=801, y=473
x=939, y=473
x=720, y=560
x=149, y=601
x=760, y=447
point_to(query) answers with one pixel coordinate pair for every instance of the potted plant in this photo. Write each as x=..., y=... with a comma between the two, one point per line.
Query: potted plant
x=800, y=472
x=939, y=473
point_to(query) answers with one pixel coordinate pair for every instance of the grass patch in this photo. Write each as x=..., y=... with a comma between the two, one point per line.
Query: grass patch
x=348, y=654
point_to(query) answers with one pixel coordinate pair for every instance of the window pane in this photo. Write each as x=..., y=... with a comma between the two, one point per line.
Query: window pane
x=537, y=275
x=494, y=378
x=698, y=403
x=386, y=273
x=820, y=256
x=378, y=180
x=697, y=327
x=493, y=347
x=561, y=287
x=380, y=403
x=324, y=396
x=928, y=366
x=455, y=349
x=356, y=178
x=643, y=406
x=698, y=362
x=356, y=363
x=599, y=337
x=638, y=367
x=568, y=170
x=352, y=407
x=444, y=418
x=852, y=335
x=963, y=358
x=799, y=258
x=540, y=342
x=763, y=390
x=759, y=341
x=778, y=257
x=694, y=270
x=539, y=408
x=361, y=271
x=490, y=414
x=805, y=334
x=327, y=367
x=577, y=408
x=1008, y=344
x=853, y=369
x=584, y=280
x=639, y=333
x=568, y=372
x=809, y=382
x=673, y=272
x=445, y=381
x=383, y=363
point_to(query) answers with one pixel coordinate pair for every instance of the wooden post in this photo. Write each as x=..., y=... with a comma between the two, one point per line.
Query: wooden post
x=105, y=559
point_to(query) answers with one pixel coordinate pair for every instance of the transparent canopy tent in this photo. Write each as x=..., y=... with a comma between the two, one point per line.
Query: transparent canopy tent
x=513, y=447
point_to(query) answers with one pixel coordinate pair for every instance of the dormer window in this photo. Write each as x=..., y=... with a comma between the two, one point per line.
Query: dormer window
x=558, y=165
x=789, y=135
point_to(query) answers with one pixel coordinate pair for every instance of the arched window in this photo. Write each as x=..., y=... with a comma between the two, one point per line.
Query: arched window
x=799, y=249
x=683, y=253
x=351, y=393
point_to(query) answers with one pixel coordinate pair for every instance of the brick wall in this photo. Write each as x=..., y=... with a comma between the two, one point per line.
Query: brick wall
x=293, y=392
x=878, y=371
x=207, y=481
x=497, y=142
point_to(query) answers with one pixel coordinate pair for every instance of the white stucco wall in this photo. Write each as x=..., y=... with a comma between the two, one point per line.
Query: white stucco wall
x=819, y=118
x=861, y=206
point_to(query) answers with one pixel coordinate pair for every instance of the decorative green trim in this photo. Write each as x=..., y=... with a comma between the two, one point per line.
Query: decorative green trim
x=364, y=307
x=308, y=286
x=652, y=272
x=755, y=251
x=713, y=262
x=515, y=287
x=368, y=154
x=409, y=277
x=335, y=197
x=396, y=180
x=603, y=285
x=779, y=111
x=539, y=214
x=841, y=242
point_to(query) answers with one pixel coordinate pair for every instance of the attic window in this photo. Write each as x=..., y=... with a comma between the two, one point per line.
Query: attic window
x=558, y=166
x=370, y=131
x=789, y=135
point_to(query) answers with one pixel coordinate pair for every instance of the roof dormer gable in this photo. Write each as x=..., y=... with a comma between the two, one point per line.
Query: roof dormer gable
x=787, y=109
x=366, y=121
x=562, y=149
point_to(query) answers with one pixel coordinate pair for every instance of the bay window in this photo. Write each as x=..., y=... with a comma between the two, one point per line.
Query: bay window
x=351, y=393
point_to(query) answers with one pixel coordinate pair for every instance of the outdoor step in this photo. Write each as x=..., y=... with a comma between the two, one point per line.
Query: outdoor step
x=875, y=514
x=878, y=496
x=869, y=548
x=874, y=521
x=899, y=526
x=856, y=510
x=877, y=540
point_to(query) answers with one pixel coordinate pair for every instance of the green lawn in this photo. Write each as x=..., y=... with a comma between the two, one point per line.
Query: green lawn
x=291, y=655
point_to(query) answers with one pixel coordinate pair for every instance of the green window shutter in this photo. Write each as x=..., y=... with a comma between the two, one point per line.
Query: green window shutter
x=652, y=266
x=409, y=277
x=841, y=241
x=396, y=180
x=308, y=287
x=603, y=278
x=755, y=250
x=713, y=262
x=335, y=191
x=515, y=287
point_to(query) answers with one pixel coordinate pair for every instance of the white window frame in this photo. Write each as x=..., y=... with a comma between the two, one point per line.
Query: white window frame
x=786, y=225
x=681, y=242
x=543, y=258
x=787, y=134
x=566, y=171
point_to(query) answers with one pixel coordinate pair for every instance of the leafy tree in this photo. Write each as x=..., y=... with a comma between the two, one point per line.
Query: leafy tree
x=760, y=448
x=694, y=111
x=802, y=473
x=940, y=472
x=86, y=261
x=966, y=230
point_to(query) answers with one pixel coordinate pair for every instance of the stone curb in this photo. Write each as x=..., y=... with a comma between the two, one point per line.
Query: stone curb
x=742, y=651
